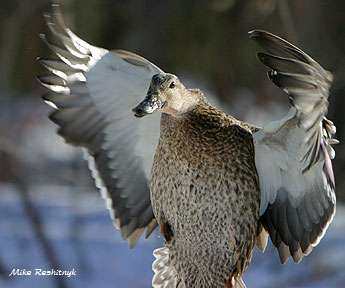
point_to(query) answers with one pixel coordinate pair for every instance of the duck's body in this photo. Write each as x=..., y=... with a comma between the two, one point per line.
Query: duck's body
x=205, y=194
x=218, y=185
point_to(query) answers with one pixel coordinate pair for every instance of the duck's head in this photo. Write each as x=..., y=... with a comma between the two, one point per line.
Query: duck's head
x=166, y=94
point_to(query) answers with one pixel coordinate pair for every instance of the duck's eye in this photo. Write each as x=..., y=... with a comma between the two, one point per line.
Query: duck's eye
x=172, y=85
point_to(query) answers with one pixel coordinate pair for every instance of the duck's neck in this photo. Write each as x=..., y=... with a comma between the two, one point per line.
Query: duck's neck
x=200, y=119
x=181, y=106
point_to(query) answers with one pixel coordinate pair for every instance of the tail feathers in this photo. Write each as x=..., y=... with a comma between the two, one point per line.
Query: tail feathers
x=235, y=282
x=261, y=238
x=239, y=283
x=165, y=275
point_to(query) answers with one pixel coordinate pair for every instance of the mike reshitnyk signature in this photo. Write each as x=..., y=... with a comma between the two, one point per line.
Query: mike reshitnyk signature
x=41, y=272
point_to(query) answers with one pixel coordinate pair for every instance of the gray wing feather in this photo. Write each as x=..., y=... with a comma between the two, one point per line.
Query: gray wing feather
x=293, y=155
x=93, y=93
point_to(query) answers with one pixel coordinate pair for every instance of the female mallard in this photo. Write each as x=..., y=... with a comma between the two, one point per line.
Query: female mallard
x=218, y=185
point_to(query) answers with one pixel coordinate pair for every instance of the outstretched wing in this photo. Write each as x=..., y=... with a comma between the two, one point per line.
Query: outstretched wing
x=93, y=92
x=293, y=155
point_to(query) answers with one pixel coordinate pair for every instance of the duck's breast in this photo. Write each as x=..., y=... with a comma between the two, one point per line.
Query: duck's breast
x=204, y=186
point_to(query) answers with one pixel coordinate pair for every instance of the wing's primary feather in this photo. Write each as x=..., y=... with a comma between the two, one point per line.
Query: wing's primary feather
x=93, y=92
x=293, y=155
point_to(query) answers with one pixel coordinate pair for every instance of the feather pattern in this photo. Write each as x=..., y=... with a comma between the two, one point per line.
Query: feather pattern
x=293, y=155
x=165, y=274
x=93, y=92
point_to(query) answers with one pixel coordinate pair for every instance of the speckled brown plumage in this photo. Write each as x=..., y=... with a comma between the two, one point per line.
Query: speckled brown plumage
x=205, y=186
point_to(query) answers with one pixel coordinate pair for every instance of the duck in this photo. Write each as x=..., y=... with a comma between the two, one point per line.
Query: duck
x=216, y=186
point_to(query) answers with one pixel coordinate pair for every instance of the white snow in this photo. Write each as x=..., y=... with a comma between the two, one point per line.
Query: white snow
x=83, y=238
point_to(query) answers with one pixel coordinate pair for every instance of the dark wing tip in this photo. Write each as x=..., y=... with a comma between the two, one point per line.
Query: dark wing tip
x=41, y=80
x=46, y=14
x=257, y=33
x=56, y=5
x=43, y=62
x=260, y=36
x=263, y=58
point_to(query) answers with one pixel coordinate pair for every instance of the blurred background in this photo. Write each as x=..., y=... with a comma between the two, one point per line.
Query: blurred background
x=51, y=215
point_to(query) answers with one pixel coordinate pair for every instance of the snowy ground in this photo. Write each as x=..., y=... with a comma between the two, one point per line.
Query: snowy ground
x=84, y=239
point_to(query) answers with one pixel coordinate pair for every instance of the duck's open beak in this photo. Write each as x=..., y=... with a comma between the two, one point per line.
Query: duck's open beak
x=151, y=103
